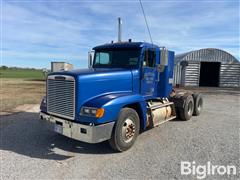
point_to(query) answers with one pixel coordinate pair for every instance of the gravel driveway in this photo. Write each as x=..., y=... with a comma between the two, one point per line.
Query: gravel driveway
x=30, y=151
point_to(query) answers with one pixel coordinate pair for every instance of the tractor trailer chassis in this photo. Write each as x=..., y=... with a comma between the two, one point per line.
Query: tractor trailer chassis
x=159, y=111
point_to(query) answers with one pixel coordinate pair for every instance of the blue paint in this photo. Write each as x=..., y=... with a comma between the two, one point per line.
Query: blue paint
x=112, y=103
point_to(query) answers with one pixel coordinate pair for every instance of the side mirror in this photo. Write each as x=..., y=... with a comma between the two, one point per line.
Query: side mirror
x=90, y=58
x=163, y=60
x=164, y=56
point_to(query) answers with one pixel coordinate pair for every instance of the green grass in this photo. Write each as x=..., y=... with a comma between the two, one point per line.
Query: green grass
x=21, y=73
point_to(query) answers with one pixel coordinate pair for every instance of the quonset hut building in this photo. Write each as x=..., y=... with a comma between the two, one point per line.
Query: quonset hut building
x=207, y=67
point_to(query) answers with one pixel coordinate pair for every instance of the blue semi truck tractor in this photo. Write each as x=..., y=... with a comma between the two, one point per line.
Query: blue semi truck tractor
x=127, y=89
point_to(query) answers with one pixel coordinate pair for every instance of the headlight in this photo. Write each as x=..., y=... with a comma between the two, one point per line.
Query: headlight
x=44, y=100
x=94, y=112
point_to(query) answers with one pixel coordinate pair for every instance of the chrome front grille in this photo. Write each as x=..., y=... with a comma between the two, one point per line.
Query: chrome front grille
x=61, y=96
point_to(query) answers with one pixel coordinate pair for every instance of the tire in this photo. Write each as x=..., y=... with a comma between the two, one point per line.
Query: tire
x=198, y=104
x=187, y=108
x=128, y=120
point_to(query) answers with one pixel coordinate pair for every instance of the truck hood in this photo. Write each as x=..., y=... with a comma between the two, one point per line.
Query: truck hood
x=91, y=83
x=87, y=71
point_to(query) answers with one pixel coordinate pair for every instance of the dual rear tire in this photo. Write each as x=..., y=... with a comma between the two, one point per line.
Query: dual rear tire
x=191, y=104
x=186, y=109
x=198, y=104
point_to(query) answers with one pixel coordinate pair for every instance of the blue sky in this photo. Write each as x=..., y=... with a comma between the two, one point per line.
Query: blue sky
x=36, y=32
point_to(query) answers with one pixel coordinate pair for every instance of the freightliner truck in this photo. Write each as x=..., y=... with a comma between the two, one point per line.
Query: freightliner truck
x=127, y=89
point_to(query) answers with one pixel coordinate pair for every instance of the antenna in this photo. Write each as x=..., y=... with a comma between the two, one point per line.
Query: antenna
x=119, y=29
x=144, y=15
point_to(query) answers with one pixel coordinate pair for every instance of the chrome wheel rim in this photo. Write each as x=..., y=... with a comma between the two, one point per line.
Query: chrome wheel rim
x=200, y=105
x=190, y=108
x=128, y=130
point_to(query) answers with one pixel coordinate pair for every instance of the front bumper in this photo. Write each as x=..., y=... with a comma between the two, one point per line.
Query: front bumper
x=85, y=133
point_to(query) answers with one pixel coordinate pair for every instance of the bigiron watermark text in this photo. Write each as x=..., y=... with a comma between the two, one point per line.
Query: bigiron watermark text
x=208, y=169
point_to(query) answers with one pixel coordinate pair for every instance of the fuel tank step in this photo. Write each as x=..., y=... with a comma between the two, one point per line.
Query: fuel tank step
x=160, y=112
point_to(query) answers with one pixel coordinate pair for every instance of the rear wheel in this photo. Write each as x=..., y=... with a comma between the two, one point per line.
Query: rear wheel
x=187, y=107
x=198, y=104
x=126, y=130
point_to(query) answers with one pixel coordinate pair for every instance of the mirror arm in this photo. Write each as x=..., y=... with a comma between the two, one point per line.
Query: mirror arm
x=90, y=58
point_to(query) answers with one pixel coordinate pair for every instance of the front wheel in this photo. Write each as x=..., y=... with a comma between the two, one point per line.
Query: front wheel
x=126, y=130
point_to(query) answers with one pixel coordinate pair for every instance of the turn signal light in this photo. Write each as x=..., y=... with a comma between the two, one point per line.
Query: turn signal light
x=100, y=113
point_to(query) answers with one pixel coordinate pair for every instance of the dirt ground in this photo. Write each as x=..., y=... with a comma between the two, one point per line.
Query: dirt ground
x=15, y=92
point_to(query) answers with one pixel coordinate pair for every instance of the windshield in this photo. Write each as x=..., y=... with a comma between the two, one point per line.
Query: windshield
x=116, y=58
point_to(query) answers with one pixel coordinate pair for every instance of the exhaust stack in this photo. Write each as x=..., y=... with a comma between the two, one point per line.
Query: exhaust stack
x=119, y=29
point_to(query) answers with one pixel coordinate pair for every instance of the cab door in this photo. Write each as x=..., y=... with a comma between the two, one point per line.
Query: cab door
x=148, y=72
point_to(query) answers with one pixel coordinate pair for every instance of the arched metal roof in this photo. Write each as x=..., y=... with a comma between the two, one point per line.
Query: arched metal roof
x=208, y=54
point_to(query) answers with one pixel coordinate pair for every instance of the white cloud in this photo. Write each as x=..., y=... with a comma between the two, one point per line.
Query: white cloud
x=66, y=29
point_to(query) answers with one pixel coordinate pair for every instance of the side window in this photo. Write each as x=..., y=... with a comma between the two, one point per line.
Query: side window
x=149, y=58
x=102, y=58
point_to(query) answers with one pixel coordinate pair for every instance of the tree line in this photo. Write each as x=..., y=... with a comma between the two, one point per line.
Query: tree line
x=16, y=68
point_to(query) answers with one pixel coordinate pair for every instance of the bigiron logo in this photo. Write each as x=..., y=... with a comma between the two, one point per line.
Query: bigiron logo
x=202, y=171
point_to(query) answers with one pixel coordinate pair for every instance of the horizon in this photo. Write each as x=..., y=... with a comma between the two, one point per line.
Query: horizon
x=36, y=33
